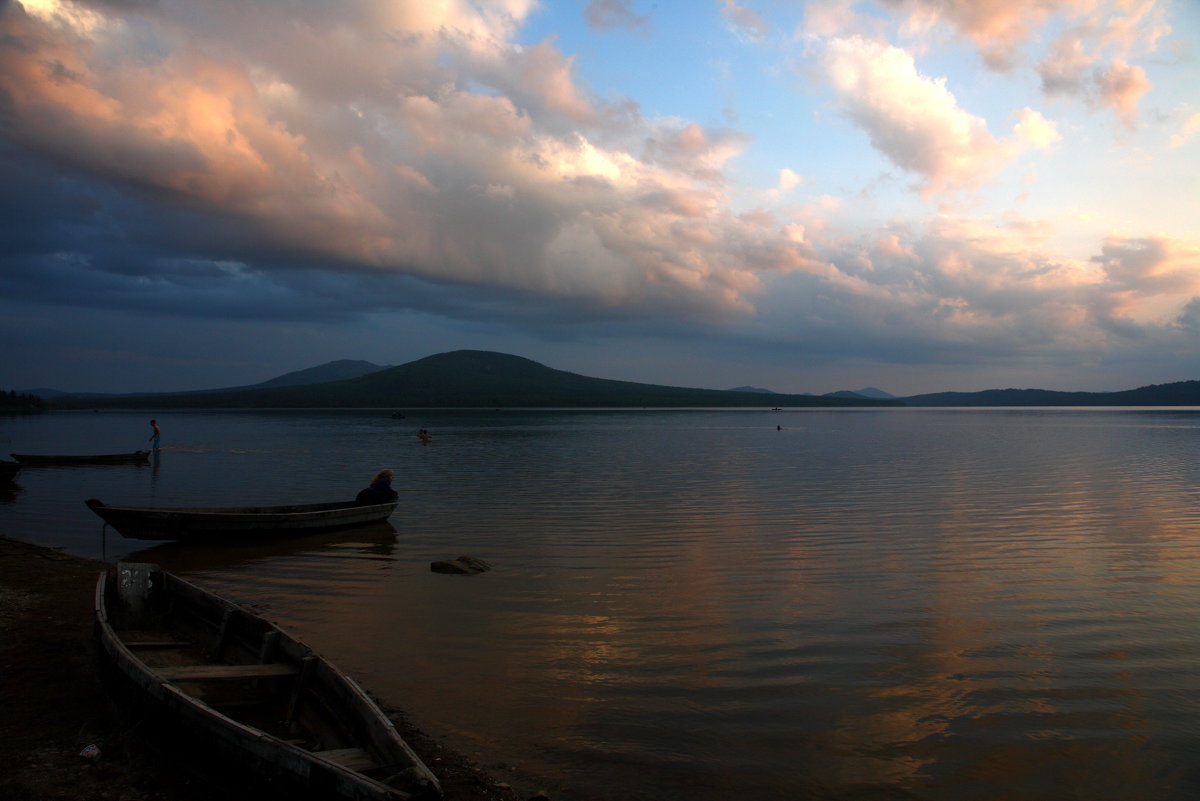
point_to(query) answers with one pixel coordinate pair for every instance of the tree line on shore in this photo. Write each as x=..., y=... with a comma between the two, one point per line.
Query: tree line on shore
x=13, y=401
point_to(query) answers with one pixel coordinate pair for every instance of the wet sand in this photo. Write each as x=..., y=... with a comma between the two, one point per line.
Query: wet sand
x=55, y=704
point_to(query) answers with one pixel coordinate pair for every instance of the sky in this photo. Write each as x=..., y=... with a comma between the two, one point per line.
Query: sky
x=914, y=195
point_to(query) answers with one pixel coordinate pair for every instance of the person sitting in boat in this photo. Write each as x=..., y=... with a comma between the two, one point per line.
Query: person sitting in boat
x=380, y=490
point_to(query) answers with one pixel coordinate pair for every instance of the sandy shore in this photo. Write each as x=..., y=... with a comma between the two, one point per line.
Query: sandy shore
x=55, y=705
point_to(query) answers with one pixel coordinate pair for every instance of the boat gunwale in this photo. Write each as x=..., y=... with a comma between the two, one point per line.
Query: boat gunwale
x=199, y=523
x=29, y=459
x=156, y=686
x=251, y=512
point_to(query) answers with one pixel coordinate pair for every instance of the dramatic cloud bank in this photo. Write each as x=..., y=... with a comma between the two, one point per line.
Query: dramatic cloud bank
x=330, y=161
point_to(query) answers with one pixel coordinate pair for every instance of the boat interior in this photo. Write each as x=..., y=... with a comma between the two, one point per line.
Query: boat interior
x=246, y=669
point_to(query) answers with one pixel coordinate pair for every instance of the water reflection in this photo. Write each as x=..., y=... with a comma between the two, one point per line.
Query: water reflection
x=10, y=490
x=375, y=541
x=951, y=605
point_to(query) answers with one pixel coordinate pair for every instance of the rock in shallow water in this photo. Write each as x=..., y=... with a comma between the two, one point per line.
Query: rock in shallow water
x=463, y=565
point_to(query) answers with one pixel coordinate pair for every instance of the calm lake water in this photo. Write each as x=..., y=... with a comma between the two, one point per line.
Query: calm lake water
x=860, y=604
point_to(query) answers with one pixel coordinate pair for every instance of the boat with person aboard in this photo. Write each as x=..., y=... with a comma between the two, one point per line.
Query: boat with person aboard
x=216, y=522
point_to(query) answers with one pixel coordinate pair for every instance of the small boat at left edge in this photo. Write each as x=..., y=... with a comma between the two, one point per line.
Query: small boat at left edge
x=230, y=687
x=101, y=458
x=9, y=470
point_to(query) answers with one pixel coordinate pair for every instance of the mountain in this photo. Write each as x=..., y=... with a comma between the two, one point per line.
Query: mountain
x=873, y=392
x=753, y=389
x=465, y=378
x=866, y=392
x=482, y=379
x=330, y=371
x=1179, y=393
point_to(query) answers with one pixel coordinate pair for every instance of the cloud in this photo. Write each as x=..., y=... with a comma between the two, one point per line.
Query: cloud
x=244, y=162
x=1144, y=268
x=1068, y=70
x=427, y=144
x=1121, y=87
x=1189, y=317
x=788, y=180
x=997, y=29
x=1089, y=60
x=547, y=74
x=830, y=18
x=1145, y=294
x=1190, y=127
x=958, y=290
x=913, y=120
x=1064, y=70
x=743, y=21
x=1035, y=130
x=1000, y=30
x=607, y=15
x=987, y=291
x=1095, y=32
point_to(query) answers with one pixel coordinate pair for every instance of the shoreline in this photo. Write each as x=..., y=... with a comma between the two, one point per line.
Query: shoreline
x=56, y=705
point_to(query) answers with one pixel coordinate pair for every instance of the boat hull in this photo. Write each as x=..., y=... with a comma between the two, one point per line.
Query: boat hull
x=137, y=457
x=204, y=523
x=210, y=670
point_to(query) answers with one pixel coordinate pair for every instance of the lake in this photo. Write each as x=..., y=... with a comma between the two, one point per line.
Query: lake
x=943, y=604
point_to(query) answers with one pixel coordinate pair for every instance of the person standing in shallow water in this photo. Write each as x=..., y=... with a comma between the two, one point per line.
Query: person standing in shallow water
x=155, y=435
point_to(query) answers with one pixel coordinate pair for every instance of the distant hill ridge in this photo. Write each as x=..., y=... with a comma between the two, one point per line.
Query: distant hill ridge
x=467, y=378
x=872, y=392
x=868, y=392
x=1179, y=393
x=472, y=378
x=330, y=371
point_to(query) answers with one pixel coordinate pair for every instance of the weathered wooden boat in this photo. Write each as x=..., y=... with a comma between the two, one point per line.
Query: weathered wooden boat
x=102, y=458
x=228, y=685
x=191, y=523
x=9, y=470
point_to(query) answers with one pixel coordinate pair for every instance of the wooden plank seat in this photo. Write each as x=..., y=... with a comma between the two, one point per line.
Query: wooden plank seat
x=233, y=705
x=156, y=644
x=219, y=672
x=352, y=758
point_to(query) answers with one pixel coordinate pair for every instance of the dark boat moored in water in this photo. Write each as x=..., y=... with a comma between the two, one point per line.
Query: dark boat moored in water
x=102, y=458
x=215, y=522
x=9, y=470
x=224, y=681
